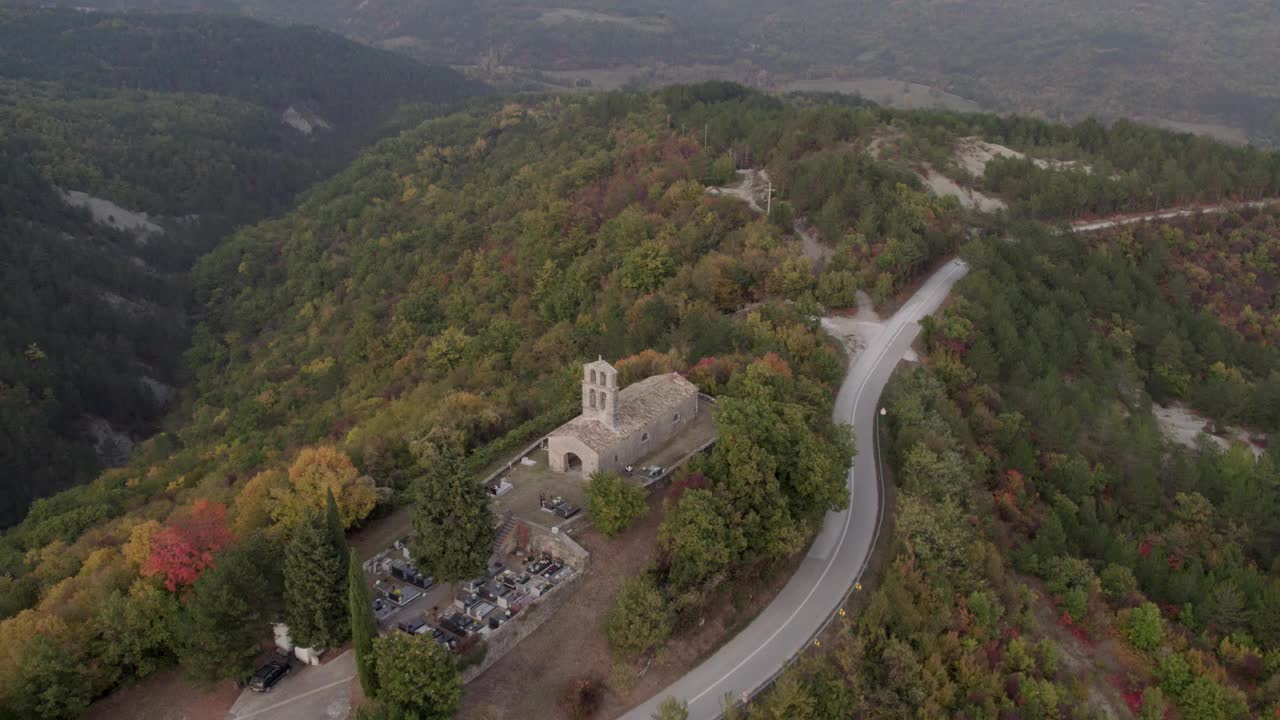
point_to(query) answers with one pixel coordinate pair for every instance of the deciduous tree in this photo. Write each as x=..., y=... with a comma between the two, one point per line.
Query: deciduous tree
x=51, y=682
x=1144, y=626
x=638, y=621
x=318, y=471
x=417, y=679
x=134, y=631
x=185, y=548
x=613, y=503
x=699, y=538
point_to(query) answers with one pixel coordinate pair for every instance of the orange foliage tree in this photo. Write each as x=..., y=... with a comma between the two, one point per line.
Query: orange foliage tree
x=316, y=471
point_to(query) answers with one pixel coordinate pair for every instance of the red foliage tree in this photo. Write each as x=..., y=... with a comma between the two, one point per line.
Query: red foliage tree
x=184, y=548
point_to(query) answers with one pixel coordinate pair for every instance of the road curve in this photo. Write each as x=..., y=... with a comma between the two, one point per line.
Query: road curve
x=838, y=555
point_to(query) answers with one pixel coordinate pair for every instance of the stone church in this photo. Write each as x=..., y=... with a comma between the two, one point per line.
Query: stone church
x=616, y=428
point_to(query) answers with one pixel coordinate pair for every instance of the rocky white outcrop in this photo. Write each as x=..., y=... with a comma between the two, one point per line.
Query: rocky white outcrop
x=304, y=122
x=112, y=446
x=105, y=212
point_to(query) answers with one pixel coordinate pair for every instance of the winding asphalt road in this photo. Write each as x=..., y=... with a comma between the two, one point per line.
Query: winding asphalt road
x=838, y=555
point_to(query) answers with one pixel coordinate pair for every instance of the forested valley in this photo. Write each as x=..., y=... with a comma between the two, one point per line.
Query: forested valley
x=178, y=125
x=441, y=291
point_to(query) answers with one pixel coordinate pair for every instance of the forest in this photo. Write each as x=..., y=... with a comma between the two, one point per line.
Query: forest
x=95, y=319
x=1053, y=552
x=1226, y=263
x=442, y=288
x=438, y=294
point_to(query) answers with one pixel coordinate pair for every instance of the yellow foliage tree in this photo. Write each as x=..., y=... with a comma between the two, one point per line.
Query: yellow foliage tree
x=316, y=471
x=53, y=562
x=21, y=629
x=138, y=548
x=644, y=364
x=254, y=503
x=474, y=416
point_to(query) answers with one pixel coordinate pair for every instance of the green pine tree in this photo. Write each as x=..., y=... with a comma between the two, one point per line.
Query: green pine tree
x=314, y=592
x=455, y=530
x=232, y=605
x=363, y=627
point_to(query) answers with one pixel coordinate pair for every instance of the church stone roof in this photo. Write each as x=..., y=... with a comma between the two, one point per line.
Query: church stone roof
x=639, y=404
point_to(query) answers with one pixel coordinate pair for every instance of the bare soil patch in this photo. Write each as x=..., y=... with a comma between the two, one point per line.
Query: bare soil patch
x=165, y=696
x=1183, y=426
x=974, y=153
x=942, y=186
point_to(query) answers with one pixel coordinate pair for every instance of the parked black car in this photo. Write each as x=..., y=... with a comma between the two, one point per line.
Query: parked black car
x=268, y=675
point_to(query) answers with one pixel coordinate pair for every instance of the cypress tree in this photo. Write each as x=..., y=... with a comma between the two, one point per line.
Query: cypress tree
x=363, y=627
x=451, y=516
x=314, y=592
x=337, y=533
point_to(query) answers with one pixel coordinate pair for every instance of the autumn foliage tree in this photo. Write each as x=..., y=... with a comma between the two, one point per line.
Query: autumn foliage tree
x=185, y=548
x=316, y=472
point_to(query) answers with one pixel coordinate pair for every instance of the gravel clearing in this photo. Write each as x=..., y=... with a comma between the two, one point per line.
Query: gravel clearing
x=1183, y=426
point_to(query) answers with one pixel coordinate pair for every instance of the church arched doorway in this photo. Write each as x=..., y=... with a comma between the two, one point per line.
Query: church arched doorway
x=572, y=463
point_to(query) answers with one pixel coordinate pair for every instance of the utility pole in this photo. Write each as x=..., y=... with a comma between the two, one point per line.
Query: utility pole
x=768, y=203
x=706, y=128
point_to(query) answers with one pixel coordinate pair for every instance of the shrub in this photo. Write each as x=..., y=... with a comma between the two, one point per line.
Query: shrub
x=639, y=619
x=582, y=698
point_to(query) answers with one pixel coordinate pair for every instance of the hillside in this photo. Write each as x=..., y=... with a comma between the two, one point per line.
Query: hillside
x=120, y=174
x=1055, y=555
x=1228, y=264
x=439, y=289
x=442, y=289
x=1204, y=67
x=349, y=86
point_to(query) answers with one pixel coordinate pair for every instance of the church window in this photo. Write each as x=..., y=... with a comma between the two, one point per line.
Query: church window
x=675, y=418
x=644, y=438
x=593, y=377
x=604, y=400
x=593, y=398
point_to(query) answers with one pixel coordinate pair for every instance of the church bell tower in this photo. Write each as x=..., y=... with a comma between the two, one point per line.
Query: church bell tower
x=600, y=393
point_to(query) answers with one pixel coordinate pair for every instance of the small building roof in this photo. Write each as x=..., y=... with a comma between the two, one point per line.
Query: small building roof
x=638, y=405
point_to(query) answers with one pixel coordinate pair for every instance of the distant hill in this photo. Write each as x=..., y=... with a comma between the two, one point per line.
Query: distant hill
x=1206, y=67
x=347, y=84
x=131, y=144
